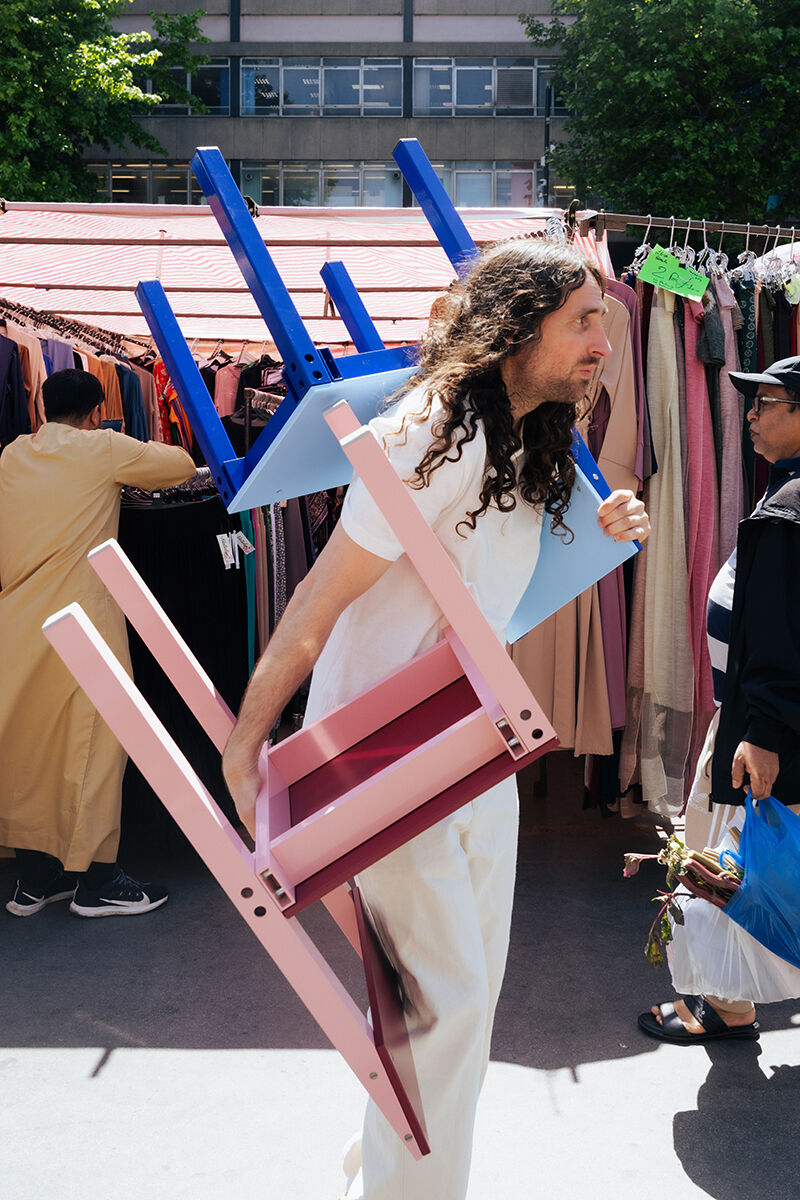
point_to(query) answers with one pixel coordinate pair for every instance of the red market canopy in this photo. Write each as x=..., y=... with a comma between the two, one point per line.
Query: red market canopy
x=85, y=261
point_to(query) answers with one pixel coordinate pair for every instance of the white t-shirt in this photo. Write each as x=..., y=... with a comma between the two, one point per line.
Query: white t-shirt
x=397, y=618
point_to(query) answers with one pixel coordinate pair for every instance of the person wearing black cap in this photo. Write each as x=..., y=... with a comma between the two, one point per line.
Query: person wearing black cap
x=754, y=644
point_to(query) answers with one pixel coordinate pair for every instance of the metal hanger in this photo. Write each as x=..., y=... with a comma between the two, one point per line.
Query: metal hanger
x=686, y=256
x=703, y=260
x=641, y=252
x=671, y=246
x=746, y=269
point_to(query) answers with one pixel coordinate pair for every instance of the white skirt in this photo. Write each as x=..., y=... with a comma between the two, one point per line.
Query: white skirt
x=710, y=954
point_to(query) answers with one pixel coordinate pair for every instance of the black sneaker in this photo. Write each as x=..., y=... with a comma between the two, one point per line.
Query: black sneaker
x=31, y=898
x=121, y=896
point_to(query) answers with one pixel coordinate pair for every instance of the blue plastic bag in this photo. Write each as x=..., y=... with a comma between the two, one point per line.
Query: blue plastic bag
x=767, y=902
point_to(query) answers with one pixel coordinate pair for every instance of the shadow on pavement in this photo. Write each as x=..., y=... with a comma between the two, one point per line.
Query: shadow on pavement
x=740, y=1141
x=191, y=975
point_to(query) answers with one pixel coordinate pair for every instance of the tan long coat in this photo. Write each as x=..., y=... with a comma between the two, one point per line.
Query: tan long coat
x=60, y=766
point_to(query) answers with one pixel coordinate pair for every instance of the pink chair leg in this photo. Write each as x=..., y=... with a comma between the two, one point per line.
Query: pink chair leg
x=171, y=776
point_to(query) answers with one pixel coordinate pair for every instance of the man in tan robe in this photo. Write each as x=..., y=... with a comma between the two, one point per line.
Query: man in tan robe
x=60, y=766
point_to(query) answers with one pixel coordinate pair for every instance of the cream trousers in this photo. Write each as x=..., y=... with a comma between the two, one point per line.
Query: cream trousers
x=442, y=907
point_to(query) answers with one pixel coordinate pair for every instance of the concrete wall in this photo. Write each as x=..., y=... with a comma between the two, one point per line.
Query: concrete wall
x=370, y=139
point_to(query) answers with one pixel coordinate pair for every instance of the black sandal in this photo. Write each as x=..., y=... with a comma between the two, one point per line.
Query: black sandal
x=673, y=1029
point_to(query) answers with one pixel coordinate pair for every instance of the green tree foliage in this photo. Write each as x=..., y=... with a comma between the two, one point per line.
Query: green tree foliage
x=68, y=81
x=689, y=107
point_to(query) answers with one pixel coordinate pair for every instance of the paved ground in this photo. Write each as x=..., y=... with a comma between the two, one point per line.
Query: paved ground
x=164, y=1058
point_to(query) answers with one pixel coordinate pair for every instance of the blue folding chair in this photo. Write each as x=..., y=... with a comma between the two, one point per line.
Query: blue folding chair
x=295, y=454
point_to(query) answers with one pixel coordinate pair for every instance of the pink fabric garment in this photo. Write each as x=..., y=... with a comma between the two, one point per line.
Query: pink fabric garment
x=629, y=754
x=702, y=529
x=610, y=591
x=731, y=484
x=226, y=385
x=627, y=296
x=613, y=436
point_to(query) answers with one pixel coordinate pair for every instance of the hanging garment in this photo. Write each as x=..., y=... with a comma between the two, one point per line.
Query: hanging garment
x=175, y=550
x=226, y=388
x=14, y=415
x=611, y=588
x=678, y=318
x=660, y=675
x=731, y=478
x=265, y=373
x=701, y=534
x=745, y=292
x=562, y=662
x=277, y=541
x=33, y=371
x=711, y=352
x=113, y=410
x=783, y=322
x=208, y=373
x=620, y=448
x=62, y=767
x=174, y=424
x=136, y=424
x=766, y=328
x=250, y=576
x=60, y=353
x=94, y=367
x=263, y=579
x=150, y=401
x=643, y=466
x=574, y=662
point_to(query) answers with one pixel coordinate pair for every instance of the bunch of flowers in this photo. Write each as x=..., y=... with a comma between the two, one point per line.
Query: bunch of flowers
x=699, y=872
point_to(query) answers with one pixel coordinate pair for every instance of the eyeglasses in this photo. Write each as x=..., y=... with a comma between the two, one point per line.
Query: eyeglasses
x=759, y=401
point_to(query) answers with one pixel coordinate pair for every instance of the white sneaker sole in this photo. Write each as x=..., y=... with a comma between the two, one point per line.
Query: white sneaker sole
x=109, y=910
x=29, y=910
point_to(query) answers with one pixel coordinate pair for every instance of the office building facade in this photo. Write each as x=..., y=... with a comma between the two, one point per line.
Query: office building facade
x=307, y=98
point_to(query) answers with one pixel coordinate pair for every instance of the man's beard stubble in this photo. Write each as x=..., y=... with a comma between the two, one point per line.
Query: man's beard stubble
x=557, y=390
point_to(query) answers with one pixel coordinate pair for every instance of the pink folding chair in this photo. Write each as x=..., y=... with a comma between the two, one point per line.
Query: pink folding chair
x=343, y=791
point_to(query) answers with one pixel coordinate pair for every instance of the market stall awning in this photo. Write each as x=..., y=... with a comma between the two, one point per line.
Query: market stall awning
x=85, y=261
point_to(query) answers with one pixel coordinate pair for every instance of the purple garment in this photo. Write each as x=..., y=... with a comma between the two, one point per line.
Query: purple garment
x=59, y=353
x=645, y=463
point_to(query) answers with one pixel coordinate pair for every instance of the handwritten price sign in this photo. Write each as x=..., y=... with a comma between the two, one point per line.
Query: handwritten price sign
x=663, y=270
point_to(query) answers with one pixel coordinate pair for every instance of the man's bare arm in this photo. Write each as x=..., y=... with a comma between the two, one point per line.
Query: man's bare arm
x=342, y=572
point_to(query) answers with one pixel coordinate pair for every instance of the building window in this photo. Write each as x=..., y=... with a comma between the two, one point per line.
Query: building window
x=328, y=87
x=146, y=183
x=323, y=184
x=491, y=87
x=489, y=184
x=380, y=185
x=211, y=82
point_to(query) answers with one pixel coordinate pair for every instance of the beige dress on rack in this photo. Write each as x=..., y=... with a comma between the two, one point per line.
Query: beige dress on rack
x=60, y=766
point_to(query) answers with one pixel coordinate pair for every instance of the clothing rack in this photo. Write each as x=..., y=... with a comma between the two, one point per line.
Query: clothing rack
x=600, y=220
x=102, y=339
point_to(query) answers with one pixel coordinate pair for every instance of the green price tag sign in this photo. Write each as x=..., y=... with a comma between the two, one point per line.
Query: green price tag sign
x=663, y=270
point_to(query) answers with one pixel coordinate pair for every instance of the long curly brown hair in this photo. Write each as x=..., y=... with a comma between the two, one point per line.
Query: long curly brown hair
x=487, y=316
